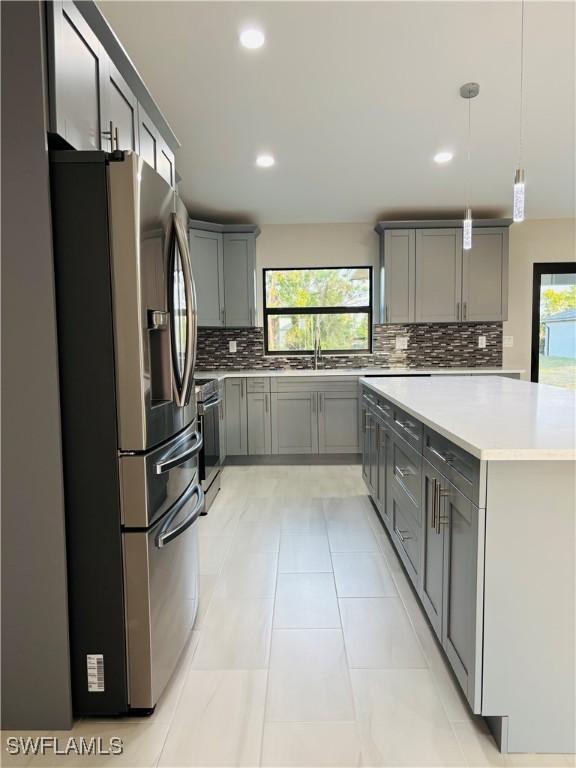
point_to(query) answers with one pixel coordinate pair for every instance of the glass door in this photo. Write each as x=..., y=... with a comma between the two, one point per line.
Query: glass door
x=554, y=324
x=181, y=301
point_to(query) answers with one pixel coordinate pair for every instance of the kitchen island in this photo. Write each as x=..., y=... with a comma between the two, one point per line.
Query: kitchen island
x=474, y=478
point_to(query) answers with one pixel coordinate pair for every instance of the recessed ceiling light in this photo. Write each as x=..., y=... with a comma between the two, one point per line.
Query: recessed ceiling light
x=443, y=157
x=252, y=38
x=265, y=161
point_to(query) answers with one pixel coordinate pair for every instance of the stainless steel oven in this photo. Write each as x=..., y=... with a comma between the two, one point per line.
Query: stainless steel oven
x=209, y=399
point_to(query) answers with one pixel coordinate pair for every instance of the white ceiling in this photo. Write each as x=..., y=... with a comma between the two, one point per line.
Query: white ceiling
x=354, y=99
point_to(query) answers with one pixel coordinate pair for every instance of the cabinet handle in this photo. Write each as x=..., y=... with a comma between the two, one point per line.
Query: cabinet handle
x=458, y=310
x=386, y=314
x=266, y=403
x=404, y=425
x=402, y=534
x=222, y=316
x=110, y=135
x=434, y=502
x=442, y=493
x=321, y=401
x=314, y=403
x=242, y=388
x=116, y=138
x=405, y=471
x=464, y=310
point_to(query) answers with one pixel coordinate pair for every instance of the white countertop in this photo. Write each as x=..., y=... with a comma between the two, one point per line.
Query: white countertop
x=493, y=418
x=384, y=372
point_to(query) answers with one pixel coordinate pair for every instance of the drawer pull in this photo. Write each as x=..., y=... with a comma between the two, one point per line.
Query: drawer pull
x=402, y=534
x=447, y=457
x=405, y=471
x=406, y=427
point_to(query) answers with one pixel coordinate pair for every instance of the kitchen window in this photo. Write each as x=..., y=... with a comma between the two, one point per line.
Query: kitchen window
x=330, y=304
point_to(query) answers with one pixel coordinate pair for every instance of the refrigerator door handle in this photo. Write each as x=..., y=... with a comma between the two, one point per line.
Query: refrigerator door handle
x=190, y=360
x=166, y=534
x=165, y=466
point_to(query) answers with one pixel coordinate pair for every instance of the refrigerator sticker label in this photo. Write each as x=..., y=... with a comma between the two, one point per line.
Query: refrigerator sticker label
x=95, y=665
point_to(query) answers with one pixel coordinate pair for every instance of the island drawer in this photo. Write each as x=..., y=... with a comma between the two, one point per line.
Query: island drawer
x=406, y=475
x=315, y=384
x=458, y=466
x=405, y=536
x=408, y=427
x=258, y=384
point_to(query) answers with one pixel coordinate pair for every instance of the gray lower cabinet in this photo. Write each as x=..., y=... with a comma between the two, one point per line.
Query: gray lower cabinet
x=368, y=442
x=240, y=279
x=236, y=417
x=148, y=135
x=438, y=275
x=206, y=254
x=485, y=276
x=382, y=448
x=259, y=424
x=398, y=256
x=459, y=521
x=432, y=583
x=294, y=422
x=338, y=422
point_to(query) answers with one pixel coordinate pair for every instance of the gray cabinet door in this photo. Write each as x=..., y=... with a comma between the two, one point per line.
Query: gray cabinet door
x=365, y=442
x=382, y=483
x=398, y=258
x=77, y=77
x=165, y=161
x=485, y=276
x=236, y=417
x=459, y=517
x=119, y=112
x=208, y=269
x=294, y=422
x=438, y=275
x=338, y=422
x=432, y=580
x=148, y=138
x=259, y=424
x=240, y=280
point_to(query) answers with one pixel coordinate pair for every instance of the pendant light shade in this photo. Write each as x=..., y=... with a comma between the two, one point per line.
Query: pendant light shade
x=468, y=91
x=519, y=186
x=467, y=230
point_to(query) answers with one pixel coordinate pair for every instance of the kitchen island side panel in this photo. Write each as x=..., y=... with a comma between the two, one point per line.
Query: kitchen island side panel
x=529, y=670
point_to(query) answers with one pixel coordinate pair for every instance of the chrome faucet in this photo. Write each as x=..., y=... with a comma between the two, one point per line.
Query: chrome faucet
x=317, y=344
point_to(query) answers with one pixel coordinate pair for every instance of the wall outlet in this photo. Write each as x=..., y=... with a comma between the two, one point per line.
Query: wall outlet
x=507, y=341
x=232, y=346
x=401, y=342
x=481, y=342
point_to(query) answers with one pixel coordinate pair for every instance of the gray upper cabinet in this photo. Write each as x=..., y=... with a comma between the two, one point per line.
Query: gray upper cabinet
x=259, y=424
x=294, y=422
x=240, y=279
x=148, y=135
x=399, y=280
x=427, y=277
x=78, y=65
x=438, y=275
x=95, y=91
x=485, y=276
x=338, y=422
x=207, y=258
x=119, y=111
x=236, y=417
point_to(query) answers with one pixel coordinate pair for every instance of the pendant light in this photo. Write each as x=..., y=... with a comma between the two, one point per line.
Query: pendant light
x=468, y=91
x=519, y=187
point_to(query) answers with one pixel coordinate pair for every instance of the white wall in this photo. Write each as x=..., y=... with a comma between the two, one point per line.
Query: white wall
x=536, y=240
x=314, y=245
x=308, y=245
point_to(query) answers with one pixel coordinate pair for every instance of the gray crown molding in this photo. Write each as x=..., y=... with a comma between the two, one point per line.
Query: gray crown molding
x=227, y=229
x=382, y=226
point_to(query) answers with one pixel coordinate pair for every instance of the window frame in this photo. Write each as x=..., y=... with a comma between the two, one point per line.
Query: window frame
x=366, y=309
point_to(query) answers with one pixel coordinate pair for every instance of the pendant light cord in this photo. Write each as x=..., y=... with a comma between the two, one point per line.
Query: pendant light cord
x=520, y=146
x=469, y=153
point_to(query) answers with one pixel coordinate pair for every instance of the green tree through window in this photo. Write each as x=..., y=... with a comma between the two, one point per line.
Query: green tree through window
x=336, y=301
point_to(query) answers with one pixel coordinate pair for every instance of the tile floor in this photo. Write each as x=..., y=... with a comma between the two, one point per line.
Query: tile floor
x=310, y=648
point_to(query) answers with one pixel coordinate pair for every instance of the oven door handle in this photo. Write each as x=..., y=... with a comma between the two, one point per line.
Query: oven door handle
x=165, y=466
x=203, y=407
x=166, y=534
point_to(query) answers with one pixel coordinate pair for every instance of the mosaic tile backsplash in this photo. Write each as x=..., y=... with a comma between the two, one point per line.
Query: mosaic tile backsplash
x=441, y=345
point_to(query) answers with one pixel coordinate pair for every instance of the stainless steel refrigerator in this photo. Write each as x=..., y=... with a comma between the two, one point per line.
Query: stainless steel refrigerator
x=127, y=340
